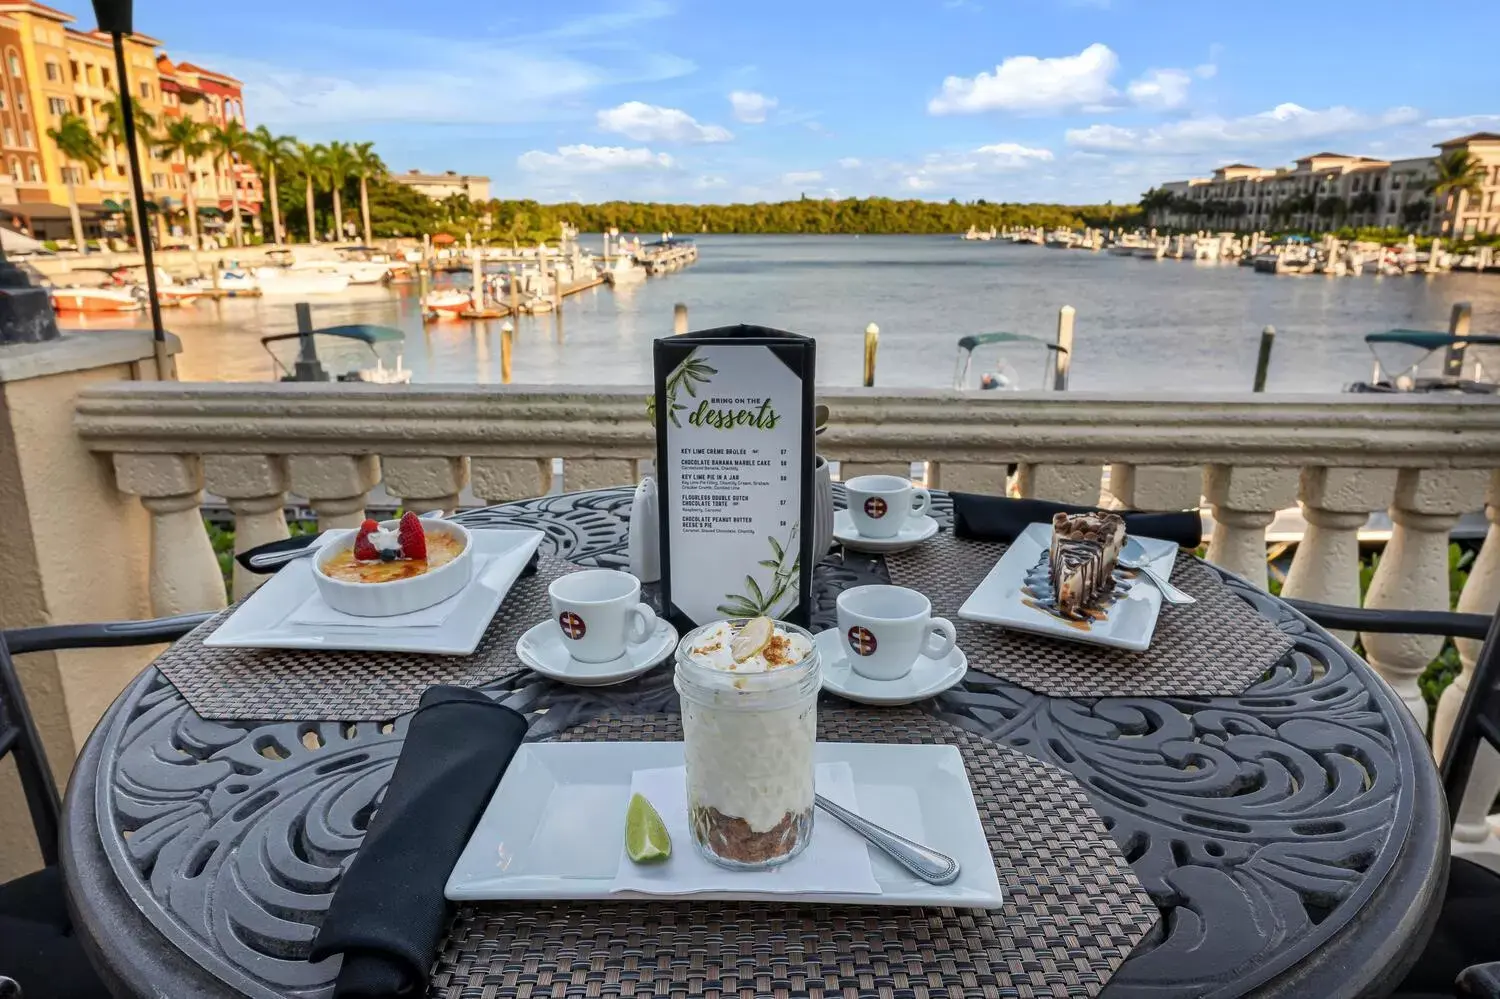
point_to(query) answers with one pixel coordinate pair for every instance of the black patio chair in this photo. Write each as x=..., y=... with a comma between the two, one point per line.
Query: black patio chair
x=1463, y=956
x=40, y=958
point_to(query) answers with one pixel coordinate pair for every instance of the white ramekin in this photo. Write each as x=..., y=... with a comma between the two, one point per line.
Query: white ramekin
x=399, y=596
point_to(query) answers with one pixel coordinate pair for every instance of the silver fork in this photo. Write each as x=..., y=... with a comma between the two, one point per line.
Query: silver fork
x=923, y=861
x=1134, y=557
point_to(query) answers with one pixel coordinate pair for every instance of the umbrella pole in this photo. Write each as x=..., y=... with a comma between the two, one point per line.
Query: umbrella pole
x=165, y=369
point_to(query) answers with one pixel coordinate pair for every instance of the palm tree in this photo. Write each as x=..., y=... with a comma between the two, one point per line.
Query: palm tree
x=1459, y=173
x=77, y=144
x=185, y=136
x=338, y=165
x=309, y=162
x=270, y=152
x=367, y=164
x=231, y=144
x=114, y=130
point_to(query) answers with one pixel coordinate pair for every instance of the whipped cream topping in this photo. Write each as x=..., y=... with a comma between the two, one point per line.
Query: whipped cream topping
x=711, y=650
x=384, y=540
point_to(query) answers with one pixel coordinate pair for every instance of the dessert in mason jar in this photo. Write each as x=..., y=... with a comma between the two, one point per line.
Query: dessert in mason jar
x=749, y=720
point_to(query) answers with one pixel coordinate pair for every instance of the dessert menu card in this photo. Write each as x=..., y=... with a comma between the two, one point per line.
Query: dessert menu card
x=734, y=438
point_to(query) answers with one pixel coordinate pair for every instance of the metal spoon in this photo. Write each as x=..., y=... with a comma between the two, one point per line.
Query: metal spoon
x=275, y=560
x=1134, y=557
x=923, y=861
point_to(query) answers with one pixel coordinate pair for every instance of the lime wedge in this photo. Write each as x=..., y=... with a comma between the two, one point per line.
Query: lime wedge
x=752, y=638
x=646, y=839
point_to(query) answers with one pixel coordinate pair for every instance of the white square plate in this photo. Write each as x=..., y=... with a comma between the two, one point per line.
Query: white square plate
x=1128, y=623
x=264, y=620
x=554, y=826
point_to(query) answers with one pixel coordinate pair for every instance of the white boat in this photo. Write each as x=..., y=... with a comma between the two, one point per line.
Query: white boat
x=537, y=304
x=95, y=300
x=285, y=281
x=357, y=271
x=448, y=301
x=625, y=271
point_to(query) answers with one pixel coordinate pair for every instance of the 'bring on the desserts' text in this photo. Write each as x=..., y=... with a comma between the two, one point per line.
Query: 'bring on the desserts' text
x=705, y=415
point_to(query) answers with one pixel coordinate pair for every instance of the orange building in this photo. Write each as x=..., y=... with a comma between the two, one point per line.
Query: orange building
x=51, y=68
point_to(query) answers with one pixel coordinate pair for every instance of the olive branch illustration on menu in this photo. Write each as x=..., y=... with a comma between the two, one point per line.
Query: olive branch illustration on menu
x=766, y=601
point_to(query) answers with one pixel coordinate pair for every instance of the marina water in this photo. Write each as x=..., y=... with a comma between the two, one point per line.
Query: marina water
x=1159, y=326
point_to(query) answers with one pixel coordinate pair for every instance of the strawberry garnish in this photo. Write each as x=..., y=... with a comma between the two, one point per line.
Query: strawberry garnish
x=413, y=539
x=363, y=550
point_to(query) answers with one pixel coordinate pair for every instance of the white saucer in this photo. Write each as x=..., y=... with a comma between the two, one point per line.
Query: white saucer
x=928, y=677
x=542, y=649
x=915, y=531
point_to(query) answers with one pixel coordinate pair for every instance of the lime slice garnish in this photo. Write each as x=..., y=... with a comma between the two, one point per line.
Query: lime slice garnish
x=646, y=839
x=752, y=638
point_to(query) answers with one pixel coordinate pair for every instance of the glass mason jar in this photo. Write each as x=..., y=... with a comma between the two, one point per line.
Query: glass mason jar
x=748, y=740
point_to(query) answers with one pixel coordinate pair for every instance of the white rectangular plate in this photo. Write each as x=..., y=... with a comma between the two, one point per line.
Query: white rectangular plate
x=554, y=826
x=1128, y=624
x=263, y=621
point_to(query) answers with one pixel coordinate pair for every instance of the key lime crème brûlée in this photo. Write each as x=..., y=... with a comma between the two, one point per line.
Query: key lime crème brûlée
x=749, y=755
x=378, y=555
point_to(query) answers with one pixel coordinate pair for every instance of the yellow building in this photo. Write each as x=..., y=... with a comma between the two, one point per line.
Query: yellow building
x=60, y=69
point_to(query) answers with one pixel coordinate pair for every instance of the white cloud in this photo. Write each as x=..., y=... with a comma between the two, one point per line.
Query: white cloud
x=376, y=74
x=1465, y=123
x=584, y=158
x=802, y=177
x=1029, y=83
x=649, y=123
x=851, y=163
x=1285, y=123
x=1160, y=89
x=1000, y=157
x=710, y=181
x=751, y=107
x=1206, y=71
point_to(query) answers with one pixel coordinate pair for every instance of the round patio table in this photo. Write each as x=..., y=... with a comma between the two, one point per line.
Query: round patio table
x=1233, y=811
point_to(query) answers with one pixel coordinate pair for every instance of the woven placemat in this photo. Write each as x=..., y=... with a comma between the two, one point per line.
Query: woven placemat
x=1073, y=908
x=1216, y=647
x=302, y=685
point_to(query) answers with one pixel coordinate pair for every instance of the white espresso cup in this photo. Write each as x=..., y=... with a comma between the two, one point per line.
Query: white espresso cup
x=599, y=612
x=885, y=628
x=882, y=504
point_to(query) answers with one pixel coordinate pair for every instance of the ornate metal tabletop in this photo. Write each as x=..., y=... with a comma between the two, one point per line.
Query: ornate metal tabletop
x=1293, y=836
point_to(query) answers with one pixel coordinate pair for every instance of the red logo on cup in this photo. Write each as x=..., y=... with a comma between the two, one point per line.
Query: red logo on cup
x=875, y=508
x=572, y=625
x=862, y=640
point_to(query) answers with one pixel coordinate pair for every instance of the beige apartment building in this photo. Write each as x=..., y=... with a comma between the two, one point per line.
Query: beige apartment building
x=438, y=186
x=1367, y=192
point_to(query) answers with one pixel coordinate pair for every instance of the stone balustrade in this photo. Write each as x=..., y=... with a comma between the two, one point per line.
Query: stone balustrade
x=1426, y=459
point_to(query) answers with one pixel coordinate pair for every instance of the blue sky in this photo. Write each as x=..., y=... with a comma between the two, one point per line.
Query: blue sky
x=718, y=100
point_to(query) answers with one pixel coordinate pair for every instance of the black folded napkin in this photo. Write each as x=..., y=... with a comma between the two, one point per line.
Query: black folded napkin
x=388, y=914
x=998, y=518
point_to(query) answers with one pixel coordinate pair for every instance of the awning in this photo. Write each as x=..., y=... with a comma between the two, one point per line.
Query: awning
x=210, y=211
x=46, y=211
x=111, y=205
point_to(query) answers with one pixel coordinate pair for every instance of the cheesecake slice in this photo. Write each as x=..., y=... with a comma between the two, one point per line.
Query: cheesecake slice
x=1081, y=562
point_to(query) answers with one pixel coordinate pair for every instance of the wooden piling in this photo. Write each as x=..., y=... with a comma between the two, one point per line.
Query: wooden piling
x=514, y=300
x=507, y=344
x=872, y=344
x=1062, y=357
x=1263, y=360
x=1459, y=322
x=679, y=319
x=476, y=293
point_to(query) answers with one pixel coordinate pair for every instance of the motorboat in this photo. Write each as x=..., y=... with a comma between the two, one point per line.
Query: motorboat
x=447, y=301
x=1003, y=375
x=283, y=281
x=358, y=352
x=95, y=301
x=1431, y=361
x=624, y=271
